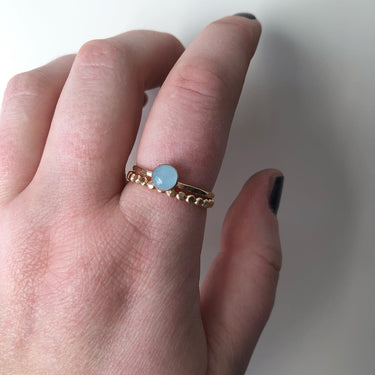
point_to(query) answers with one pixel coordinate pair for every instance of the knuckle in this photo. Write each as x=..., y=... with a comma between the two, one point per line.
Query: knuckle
x=265, y=258
x=27, y=84
x=173, y=40
x=163, y=38
x=268, y=258
x=81, y=152
x=201, y=83
x=103, y=54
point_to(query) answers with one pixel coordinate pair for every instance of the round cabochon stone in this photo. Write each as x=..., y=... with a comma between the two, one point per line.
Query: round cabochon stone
x=164, y=177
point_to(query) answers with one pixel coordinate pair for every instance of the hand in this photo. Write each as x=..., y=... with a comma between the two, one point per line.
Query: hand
x=102, y=277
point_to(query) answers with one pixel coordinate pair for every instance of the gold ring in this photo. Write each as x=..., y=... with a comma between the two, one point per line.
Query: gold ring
x=164, y=179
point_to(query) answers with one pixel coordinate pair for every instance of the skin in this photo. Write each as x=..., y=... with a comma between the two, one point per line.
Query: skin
x=102, y=277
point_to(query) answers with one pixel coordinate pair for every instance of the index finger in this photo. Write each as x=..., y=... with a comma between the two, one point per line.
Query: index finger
x=188, y=127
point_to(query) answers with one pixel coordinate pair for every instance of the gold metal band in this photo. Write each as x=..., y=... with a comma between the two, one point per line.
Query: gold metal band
x=181, y=191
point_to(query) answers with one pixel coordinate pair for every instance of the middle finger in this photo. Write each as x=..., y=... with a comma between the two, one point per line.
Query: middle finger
x=98, y=113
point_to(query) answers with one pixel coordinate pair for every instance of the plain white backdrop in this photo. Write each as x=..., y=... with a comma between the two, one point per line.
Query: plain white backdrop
x=307, y=108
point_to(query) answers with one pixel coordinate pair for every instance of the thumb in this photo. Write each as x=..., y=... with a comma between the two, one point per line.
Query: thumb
x=238, y=292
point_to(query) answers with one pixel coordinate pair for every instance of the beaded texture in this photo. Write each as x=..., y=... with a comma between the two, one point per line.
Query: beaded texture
x=179, y=194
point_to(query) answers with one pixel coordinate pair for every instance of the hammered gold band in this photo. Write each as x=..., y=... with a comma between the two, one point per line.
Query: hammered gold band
x=181, y=191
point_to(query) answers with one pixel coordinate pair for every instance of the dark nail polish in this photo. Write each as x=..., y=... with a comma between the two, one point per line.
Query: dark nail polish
x=246, y=15
x=275, y=196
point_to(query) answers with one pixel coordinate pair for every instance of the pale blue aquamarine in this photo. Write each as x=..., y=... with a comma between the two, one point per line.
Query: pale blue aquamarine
x=164, y=177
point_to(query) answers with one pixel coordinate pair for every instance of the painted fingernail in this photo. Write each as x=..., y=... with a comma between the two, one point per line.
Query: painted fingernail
x=276, y=192
x=246, y=15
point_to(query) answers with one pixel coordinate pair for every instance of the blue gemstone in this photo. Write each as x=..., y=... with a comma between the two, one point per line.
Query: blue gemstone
x=164, y=177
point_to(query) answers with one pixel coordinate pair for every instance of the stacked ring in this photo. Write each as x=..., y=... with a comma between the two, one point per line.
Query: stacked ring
x=164, y=179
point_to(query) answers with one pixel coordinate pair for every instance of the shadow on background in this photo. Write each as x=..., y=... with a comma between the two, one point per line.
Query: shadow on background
x=284, y=120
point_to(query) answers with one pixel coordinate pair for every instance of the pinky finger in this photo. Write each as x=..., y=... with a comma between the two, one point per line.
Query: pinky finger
x=28, y=106
x=238, y=292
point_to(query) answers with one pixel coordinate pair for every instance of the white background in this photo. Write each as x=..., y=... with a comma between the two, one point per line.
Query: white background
x=306, y=108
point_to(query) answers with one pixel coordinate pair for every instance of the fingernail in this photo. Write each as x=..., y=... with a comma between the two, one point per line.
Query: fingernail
x=246, y=15
x=275, y=196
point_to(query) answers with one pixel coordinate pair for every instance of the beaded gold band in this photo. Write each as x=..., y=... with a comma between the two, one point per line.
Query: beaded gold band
x=175, y=189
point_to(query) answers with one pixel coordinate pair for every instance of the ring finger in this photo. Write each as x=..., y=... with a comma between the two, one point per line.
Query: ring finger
x=188, y=127
x=27, y=110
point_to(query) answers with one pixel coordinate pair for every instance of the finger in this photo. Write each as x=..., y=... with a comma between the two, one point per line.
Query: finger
x=188, y=128
x=190, y=119
x=99, y=110
x=28, y=105
x=238, y=292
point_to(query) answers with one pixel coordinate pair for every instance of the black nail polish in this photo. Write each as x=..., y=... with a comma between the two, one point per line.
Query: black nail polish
x=275, y=196
x=246, y=15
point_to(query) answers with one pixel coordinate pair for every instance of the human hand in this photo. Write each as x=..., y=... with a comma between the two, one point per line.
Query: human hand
x=102, y=277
